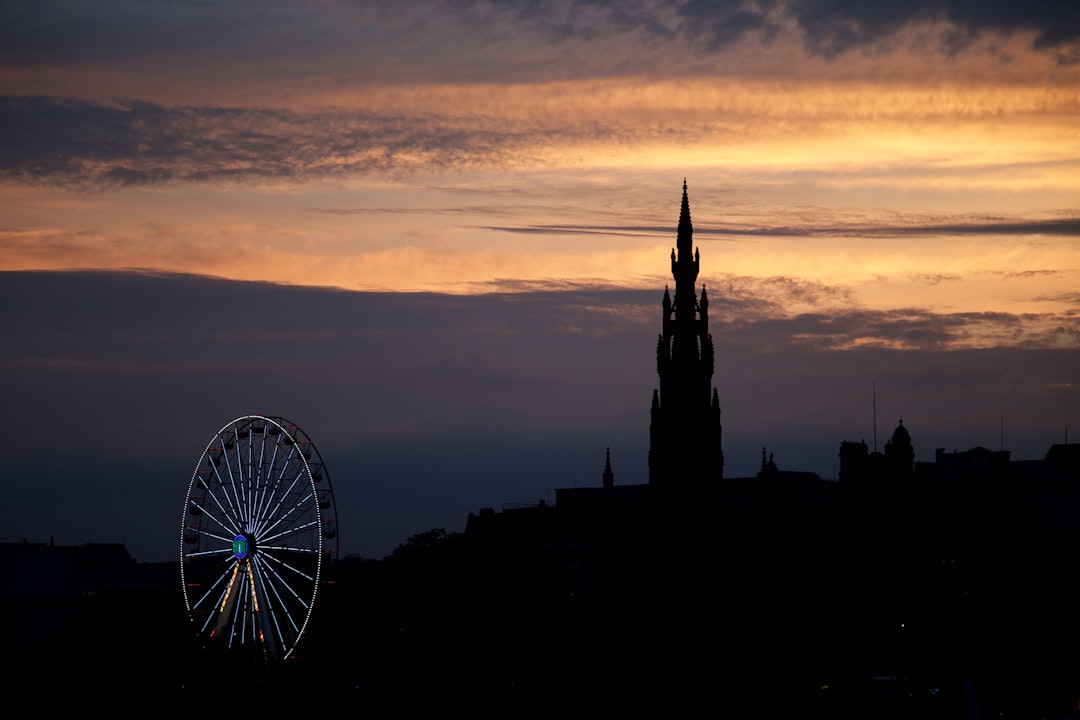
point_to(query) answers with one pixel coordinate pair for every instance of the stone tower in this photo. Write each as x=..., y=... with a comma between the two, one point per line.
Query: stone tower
x=684, y=433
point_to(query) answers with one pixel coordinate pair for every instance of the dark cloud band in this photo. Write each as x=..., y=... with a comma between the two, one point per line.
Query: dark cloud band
x=1066, y=226
x=422, y=401
x=83, y=143
x=39, y=33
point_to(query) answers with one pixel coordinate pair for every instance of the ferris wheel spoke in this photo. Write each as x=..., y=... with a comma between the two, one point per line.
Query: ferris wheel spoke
x=213, y=586
x=229, y=608
x=253, y=470
x=264, y=466
x=255, y=484
x=228, y=594
x=215, y=464
x=217, y=614
x=289, y=567
x=234, y=474
x=233, y=529
x=276, y=510
x=212, y=615
x=234, y=620
x=278, y=583
x=234, y=499
x=286, y=464
x=274, y=582
x=242, y=495
x=263, y=507
x=288, y=458
x=257, y=476
x=250, y=610
x=304, y=499
x=300, y=470
x=289, y=532
x=239, y=623
x=294, y=550
x=261, y=602
x=271, y=611
x=230, y=511
x=208, y=534
x=207, y=553
x=246, y=472
x=267, y=490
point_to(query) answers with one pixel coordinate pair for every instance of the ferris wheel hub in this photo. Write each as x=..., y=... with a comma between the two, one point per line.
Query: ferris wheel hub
x=241, y=546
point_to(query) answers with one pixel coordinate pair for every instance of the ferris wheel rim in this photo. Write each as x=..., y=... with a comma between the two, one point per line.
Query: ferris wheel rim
x=267, y=537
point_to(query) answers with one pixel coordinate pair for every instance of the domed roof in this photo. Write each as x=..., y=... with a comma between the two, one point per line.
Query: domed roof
x=900, y=434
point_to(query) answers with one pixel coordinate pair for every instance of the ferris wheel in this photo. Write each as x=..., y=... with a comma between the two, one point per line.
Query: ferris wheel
x=258, y=527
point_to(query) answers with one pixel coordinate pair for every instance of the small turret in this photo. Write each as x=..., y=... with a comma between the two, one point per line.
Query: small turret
x=768, y=468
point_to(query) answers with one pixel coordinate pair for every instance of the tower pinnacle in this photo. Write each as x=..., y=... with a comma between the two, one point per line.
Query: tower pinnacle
x=609, y=475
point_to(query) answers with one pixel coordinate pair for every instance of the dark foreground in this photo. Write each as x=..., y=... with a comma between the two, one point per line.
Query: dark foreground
x=768, y=619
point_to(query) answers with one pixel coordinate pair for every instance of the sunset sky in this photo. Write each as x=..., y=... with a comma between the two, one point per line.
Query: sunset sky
x=436, y=235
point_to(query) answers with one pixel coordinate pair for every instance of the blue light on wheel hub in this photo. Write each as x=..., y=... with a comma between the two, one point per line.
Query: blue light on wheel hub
x=240, y=547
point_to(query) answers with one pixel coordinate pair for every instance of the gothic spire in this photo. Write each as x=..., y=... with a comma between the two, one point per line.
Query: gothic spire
x=685, y=236
x=685, y=433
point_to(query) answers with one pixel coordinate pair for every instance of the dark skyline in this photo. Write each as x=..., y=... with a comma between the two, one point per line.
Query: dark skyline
x=435, y=235
x=427, y=407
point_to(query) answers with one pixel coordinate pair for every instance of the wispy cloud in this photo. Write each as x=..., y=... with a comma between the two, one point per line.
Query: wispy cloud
x=1071, y=297
x=896, y=227
x=777, y=133
x=81, y=143
x=935, y=278
x=1029, y=274
x=580, y=230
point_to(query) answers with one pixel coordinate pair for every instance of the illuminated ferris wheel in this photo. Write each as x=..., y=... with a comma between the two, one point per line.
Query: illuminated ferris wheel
x=259, y=525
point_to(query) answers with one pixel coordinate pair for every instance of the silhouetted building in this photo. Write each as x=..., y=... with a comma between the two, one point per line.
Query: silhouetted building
x=978, y=464
x=899, y=453
x=854, y=461
x=685, y=435
x=896, y=464
x=593, y=525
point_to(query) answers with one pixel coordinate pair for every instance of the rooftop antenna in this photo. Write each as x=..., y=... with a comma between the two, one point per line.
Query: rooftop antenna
x=875, y=416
